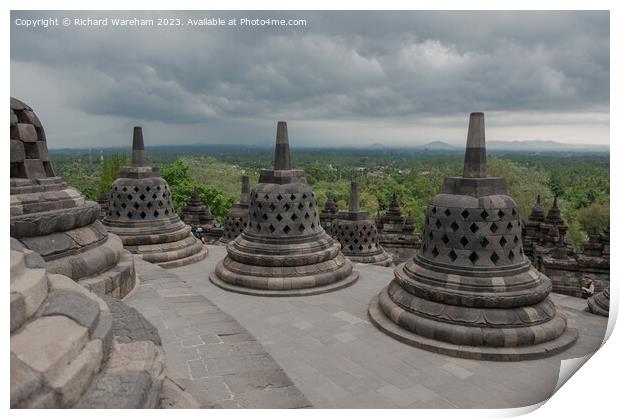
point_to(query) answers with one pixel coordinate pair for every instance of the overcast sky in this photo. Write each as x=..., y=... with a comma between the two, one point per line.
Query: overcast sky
x=346, y=78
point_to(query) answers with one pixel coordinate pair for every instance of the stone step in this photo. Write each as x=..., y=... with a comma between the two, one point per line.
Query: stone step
x=48, y=344
x=17, y=265
x=32, y=285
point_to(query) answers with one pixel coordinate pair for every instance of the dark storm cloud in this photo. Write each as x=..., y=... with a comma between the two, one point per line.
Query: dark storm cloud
x=343, y=66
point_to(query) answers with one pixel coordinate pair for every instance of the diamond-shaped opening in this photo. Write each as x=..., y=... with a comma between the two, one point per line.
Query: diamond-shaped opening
x=452, y=255
x=304, y=196
x=294, y=217
x=434, y=210
x=300, y=206
x=148, y=189
x=312, y=226
x=424, y=247
x=167, y=212
x=494, y=258
x=493, y=227
x=154, y=196
x=509, y=226
x=279, y=197
x=431, y=235
x=514, y=212
x=136, y=205
x=465, y=214
x=310, y=204
x=500, y=213
x=129, y=214
x=293, y=197
x=360, y=247
x=447, y=212
x=286, y=229
x=272, y=228
x=454, y=226
x=159, y=188
x=124, y=188
x=156, y=213
x=135, y=189
x=149, y=205
x=474, y=227
x=473, y=257
x=143, y=215
x=306, y=216
x=129, y=197
x=258, y=227
x=484, y=214
x=503, y=241
x=123, y=205
x=287, y=207
x=516, y=239
x=142, y=196
x=438, y=224
x=511, y=255
x=435, y=252
x=301, y=228
x=445, y=239
x=265, y=217
x=272, y=207
x=279, y=217
x=464, y=242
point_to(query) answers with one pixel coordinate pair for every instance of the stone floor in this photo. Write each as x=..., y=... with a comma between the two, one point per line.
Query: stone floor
x=208, y=353
x=332, y=353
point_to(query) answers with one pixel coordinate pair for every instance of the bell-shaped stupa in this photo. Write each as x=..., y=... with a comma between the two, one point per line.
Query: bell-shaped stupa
x=196, y=213
x=55, y=220
x=328, y=214
x=357, y=233
x=141, y=214
x=471, y=292
x=237, y=218
x=283, y=251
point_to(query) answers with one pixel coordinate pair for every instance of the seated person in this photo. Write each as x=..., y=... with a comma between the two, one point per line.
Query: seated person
x=587, y=289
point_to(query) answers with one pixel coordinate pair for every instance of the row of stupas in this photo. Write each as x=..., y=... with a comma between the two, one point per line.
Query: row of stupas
x=546, y=245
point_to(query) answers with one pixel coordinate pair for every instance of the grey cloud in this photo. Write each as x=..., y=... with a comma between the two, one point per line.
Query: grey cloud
x=348, y=66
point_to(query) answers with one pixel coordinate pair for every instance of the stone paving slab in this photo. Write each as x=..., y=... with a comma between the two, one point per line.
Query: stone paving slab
x=338, y=359
x=208, y=353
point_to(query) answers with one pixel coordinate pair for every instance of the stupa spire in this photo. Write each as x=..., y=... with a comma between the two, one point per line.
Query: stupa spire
x=354, y=198
x=283, y=156
x=245, y=190
x=137, y=149
x=475, y=153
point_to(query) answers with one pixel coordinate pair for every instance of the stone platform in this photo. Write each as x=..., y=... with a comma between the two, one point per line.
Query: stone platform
x=333, y=354
x=209, y=354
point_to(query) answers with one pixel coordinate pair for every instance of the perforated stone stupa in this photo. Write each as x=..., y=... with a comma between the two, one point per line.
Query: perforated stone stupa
x=471, y=292
x=357, y=233
x=237, y=218
x=283, y=251
x=55, y=220
x=141, y=214
x=396, y=233
x=328, y=214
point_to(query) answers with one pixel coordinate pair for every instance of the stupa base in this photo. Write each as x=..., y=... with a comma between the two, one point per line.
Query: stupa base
x=382, y=259
x=183, y=261
x=599, y=304
x=293, y=292
x=516, y=353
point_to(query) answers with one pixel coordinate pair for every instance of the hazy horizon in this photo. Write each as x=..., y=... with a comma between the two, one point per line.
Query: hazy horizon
x=345, y=79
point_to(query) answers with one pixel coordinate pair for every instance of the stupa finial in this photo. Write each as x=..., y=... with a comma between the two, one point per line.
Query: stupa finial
x=475, y=153
x=354, y=199
x=245, y=190
x=137, y=149
x=283, y=156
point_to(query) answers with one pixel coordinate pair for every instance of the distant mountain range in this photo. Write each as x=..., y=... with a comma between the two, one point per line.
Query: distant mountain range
x=527, y=145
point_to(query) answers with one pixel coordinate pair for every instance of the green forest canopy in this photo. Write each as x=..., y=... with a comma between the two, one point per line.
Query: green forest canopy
x=581, y=181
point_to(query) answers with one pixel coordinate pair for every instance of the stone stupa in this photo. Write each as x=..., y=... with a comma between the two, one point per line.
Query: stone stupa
x=471, y=292
x=531, y=230
x=357, y=233
x=599, y=303
x=55, y=220
x=141, y=214
x=196, y=213
x=328, y=214
x=283, y=251
x=237, y=218
x=396, y=233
